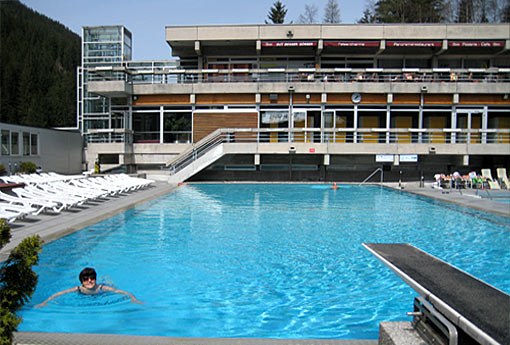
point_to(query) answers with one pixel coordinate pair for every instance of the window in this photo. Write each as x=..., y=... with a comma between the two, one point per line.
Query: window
x=5, y=143
x=15, y=143
x=33, y=145
x=26, y=144
x=177, y=127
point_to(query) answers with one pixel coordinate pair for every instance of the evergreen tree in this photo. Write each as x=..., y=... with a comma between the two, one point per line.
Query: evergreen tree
x=368, y=17
x=332, y=12
x=277, y=13
x=17, y=280
x=38, y=60
x=310, y=15
x=409, y=11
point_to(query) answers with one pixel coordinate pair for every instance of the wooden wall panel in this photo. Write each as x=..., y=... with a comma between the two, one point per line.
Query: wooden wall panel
x=225, y=98
x=161, y=99
x=406, y=98
x=366, y=98
x=373, y=98
x=300, y=98
x=339, y=98
x=283, y=98
x=437, y=99
x=482, y=99
x=206, y=123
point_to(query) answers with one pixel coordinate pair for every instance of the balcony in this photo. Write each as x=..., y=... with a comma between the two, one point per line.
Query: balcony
x=171, y=80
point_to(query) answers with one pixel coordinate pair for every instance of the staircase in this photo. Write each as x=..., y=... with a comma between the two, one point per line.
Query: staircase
x=198, y=157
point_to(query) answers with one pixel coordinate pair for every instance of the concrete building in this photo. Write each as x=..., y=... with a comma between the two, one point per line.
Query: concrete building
x=49, y=149
x=300, y=102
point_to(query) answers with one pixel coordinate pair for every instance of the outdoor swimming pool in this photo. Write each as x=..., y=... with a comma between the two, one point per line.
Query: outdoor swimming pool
x=259, y=260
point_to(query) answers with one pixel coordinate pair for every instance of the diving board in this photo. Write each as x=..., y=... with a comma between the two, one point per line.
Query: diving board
x=475, y=307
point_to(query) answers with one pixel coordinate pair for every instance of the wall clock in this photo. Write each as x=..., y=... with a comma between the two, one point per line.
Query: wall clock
x=356, y=98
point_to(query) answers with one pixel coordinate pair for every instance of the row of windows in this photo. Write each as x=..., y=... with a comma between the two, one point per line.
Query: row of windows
x=19, y=143
x=366, y=62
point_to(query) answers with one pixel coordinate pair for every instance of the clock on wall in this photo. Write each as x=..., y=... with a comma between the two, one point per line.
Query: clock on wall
x=356, y=97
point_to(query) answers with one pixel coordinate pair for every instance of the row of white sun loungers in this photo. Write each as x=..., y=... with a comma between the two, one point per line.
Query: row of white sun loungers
x=55, y=192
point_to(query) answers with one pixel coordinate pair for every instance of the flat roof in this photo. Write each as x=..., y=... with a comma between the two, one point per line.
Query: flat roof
x=189, y=39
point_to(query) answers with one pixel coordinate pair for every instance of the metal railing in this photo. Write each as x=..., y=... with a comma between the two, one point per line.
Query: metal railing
x=175, y=75
x=334, y=136
x=318, y=135
x=197, y=150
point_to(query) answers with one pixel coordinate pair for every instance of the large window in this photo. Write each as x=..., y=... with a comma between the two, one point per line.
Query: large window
x=26, y=144
x=177, y=127
x=5, y=143
x=15, y=143
x=146, y=127
x=34, y=147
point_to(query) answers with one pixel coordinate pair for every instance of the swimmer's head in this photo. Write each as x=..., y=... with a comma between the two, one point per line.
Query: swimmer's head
x=87, y=273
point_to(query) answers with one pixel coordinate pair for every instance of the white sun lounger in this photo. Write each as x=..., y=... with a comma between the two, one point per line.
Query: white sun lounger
x=41, y=195
x=126, y=181
x=30, y=202
x=47, y=189
x=92, y=183
x=80, y=191
x=502, y=176
x=10, y=216
x=493, y=184
x=24, y=210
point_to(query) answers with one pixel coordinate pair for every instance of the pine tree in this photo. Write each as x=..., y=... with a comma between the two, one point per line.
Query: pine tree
x=38, y=56
x=409, y=11
x=332, y=12
x=277, y=13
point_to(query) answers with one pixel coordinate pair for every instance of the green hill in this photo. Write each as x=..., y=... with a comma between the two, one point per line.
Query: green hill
x=38, y=60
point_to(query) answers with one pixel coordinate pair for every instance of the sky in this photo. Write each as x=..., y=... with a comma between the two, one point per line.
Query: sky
x=146, y=19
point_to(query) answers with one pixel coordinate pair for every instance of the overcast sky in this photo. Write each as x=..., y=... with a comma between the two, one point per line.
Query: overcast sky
x=146, y=19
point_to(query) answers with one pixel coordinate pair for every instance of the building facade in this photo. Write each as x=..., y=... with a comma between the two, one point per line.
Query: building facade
x=51, y=150
x=301, y=102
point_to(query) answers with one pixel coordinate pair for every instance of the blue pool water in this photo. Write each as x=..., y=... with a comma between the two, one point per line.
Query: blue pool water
x=256, y=260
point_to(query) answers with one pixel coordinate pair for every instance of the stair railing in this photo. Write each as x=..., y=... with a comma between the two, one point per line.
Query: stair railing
x=372, y=174
x=197, y=150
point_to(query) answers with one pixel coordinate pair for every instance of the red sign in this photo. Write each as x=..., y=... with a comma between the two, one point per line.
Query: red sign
x=289, y=44
x=414, y=44
x=352, y=44
x=475, y=44
x=312, y=150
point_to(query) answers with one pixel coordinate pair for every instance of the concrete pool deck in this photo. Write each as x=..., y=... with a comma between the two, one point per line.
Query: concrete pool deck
x=478, y=199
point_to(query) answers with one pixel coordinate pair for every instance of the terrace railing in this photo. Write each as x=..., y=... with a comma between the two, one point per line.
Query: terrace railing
x=336, y=136
x=176, y=75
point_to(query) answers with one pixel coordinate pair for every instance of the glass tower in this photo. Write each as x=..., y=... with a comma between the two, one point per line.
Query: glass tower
x=102, y=46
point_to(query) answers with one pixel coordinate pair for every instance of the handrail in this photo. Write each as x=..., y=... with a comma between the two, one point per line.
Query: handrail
x=196, y=151
x=165, y=75
x=372, y=174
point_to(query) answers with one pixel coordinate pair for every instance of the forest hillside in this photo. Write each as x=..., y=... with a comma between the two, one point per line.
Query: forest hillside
x=38, y=60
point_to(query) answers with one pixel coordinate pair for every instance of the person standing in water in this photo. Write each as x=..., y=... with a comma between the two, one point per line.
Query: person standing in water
x=89, y=287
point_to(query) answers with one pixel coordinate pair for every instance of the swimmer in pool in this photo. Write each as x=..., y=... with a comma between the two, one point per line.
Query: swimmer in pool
x=89, y=287
x=334, y=186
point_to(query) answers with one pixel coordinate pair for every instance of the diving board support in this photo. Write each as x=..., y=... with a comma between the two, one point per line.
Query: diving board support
x=477, y=308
